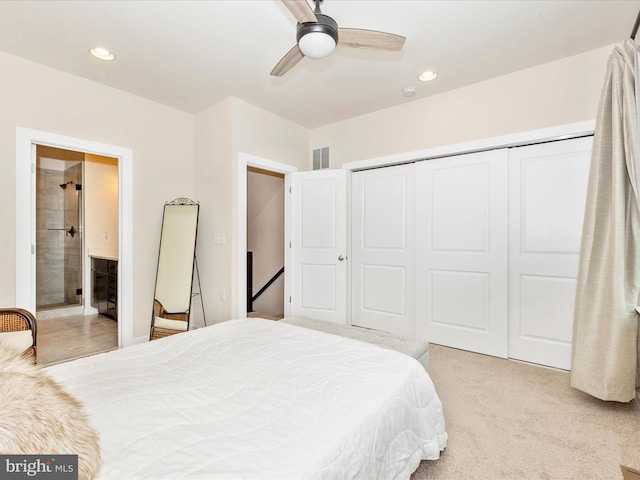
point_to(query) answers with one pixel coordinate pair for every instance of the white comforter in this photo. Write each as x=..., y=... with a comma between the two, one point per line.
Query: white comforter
x=254, y=398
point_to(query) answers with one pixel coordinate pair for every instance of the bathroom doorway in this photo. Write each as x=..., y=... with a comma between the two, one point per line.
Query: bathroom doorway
x=76, y=222
x=25, y=204
x=76, y=219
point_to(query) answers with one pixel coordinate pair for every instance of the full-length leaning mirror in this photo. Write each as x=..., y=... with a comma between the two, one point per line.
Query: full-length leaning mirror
x=176, y=261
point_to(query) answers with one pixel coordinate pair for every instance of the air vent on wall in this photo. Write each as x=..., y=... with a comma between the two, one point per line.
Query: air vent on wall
x=321, y=158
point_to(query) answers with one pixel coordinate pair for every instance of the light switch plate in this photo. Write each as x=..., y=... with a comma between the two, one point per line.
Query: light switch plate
x=218, y=239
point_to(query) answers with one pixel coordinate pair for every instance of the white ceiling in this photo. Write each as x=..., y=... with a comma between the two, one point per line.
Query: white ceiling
x=192, y=54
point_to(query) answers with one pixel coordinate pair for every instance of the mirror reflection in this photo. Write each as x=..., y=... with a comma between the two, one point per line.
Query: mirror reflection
x=174, y=277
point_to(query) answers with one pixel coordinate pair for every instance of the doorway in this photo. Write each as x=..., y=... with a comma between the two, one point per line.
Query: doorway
x=66, y=239
x=265, y=240
x=76, y=226
x=246, y=161
x=25, y=291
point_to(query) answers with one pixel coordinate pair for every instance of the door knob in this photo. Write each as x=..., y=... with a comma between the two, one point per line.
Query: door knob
x=341, y=258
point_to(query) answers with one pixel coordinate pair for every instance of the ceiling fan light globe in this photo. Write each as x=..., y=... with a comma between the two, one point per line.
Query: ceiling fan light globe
x=317, y=45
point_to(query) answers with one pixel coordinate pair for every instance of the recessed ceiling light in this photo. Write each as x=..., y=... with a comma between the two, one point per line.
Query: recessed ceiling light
x=427, y=76
x=102, y=53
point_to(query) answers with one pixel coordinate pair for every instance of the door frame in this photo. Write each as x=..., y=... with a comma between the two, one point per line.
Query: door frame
x=26, y=139
x=247, y=160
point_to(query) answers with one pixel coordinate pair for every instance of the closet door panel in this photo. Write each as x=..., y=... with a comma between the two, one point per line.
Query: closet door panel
x=447, y=310
x=545, y=303
x=548, y=184
x=552, y=185
x=376, y=294
x=382, y=249
x=469, y=232
x=461, y=251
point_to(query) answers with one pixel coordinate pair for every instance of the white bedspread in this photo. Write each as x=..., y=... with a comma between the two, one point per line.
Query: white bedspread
x=254, y=398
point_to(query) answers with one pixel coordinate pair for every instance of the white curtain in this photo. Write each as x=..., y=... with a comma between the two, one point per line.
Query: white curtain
x=605, y=332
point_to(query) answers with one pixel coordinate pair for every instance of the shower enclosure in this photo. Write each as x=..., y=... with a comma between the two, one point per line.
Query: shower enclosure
x=59, y=247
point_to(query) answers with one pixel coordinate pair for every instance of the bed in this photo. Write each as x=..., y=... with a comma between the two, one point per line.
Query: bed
x=254, y=398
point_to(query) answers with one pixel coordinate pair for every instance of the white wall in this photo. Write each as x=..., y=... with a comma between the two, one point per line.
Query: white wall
x=100, y=191
x=556, y=93
x=223, y=131
x=40, y=98
x=213, y=149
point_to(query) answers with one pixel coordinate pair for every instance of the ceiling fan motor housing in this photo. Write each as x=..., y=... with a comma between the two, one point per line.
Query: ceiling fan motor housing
x=325, y=24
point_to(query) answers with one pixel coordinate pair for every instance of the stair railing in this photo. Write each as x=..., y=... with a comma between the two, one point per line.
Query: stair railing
x=250, y=297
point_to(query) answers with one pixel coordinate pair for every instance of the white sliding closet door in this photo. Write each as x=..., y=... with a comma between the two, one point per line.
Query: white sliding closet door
x=382, y=268
x=319, y=245
x=548, y=185
x=461, y=251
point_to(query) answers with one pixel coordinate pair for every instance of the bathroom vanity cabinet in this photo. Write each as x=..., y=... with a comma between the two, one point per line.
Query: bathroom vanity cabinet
x=104, y=291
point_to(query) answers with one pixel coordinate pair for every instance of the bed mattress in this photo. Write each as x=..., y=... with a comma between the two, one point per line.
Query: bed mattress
x=254, y=398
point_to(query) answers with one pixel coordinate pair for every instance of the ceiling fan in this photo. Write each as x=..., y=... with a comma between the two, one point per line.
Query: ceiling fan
x=318, y=34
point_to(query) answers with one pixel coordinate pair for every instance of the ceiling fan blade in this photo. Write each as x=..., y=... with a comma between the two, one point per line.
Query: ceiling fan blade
x=301, y=10
x=286, y=63
x=359, y=38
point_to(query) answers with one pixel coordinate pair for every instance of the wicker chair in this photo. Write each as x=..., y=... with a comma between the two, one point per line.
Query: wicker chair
x=178, y=321
x=19, y=320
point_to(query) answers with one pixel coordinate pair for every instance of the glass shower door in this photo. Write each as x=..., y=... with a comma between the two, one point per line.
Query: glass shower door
x=58, y=234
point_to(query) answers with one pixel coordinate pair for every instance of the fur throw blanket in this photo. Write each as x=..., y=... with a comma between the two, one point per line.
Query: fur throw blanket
x=37, y=417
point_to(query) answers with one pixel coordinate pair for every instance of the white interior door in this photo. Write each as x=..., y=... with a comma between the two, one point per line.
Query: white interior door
x=461, y=251
x=548, y=185
x=382, y=267
x=319, y=245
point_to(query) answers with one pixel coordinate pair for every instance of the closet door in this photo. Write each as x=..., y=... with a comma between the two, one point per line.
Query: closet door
x=382, y=267
x=461, y=251
x=548, y=185
x=319, y=245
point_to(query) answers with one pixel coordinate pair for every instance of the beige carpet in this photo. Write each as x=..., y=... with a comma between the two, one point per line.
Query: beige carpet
x=510, y=420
